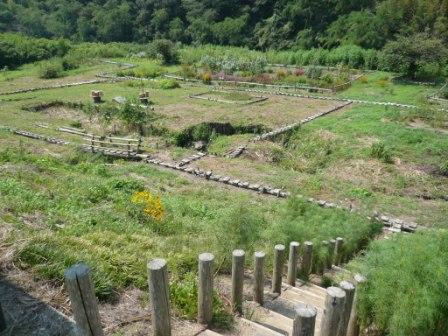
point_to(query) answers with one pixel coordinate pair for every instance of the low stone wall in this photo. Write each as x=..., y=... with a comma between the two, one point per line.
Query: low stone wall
x=237, y=152
x=40, y=137
x=256, y=99
x=191, y=159
x=94, y=81
x=297, y=124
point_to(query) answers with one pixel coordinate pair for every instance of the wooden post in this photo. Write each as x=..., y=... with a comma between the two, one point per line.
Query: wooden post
x=279, y=251
x=349, y=290
x=304, y=320
x=205, y=288
x=259, y=277
x=307, y=258
x=334, y=305
x=331, y=249
x=159, y=297
x=237, y=280
x=92, y=142
x=2, y=319
x=323, y=263
x=292, y=262
x=353, y=325
x=83, y=301
x=339, y=252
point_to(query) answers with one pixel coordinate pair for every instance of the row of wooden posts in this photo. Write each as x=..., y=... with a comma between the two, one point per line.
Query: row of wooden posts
x=339, y=317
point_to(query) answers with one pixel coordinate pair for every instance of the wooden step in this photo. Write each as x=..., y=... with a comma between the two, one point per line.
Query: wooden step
x=311, y=288
x=298, y=296
x=270, y=319
x=209, y=332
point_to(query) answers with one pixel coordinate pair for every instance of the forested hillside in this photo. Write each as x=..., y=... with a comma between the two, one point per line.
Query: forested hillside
x=260, y=24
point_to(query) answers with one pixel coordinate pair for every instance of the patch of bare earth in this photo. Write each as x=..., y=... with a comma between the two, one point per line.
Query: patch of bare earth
x=418, y=123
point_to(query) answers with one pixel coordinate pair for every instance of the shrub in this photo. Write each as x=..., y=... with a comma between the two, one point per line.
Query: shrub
x=207, y=78
x=163, y=50
x=444, y=168
x=280, y=74
x=51, y=69
x=379, y=151
x=406, y=292
x=299, y=72
x=314, y=72
x=168, y=84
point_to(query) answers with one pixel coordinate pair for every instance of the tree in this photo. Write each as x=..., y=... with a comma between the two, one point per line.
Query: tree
x=416, y=56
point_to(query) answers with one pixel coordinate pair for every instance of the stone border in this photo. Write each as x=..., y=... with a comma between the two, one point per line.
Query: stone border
x=40, y=137
x=297, y=124
x=191, y=159
x=257, y=99
x=237, y=152
x=93, y=81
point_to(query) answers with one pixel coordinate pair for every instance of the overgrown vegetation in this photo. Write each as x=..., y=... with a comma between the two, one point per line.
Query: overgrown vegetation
x=405, y=291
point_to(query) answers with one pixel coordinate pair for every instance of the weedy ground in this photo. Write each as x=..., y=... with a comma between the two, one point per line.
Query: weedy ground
x=60, y=206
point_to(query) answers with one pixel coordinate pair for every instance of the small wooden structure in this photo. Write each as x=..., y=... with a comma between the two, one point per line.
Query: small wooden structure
x=125, y=147
x=96, y=96
x=144, y=98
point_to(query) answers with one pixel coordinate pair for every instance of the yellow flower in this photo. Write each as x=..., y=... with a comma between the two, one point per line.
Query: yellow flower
x=152, y=205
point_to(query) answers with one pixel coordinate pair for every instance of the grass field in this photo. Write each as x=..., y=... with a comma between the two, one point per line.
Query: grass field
x=60, y=206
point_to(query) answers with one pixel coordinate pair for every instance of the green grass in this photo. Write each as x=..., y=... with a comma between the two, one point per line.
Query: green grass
x=406, y=284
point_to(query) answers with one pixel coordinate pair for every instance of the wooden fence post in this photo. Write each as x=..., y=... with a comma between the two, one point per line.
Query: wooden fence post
x=349, y=290
x=279, y=251
x=334, y=305
x=304, y=320
x=259, y=277
x=331, y=250
x=237, y=280
x=205, y=288
x=83, y=301
x=292, y=262
x=323, y=263
x=353, y=325
x=159, y=297
x=339, y=251
x=307, y=258
x=2, y=319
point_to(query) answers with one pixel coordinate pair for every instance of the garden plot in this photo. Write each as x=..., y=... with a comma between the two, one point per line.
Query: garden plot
x=239, y=98
x=273, y=113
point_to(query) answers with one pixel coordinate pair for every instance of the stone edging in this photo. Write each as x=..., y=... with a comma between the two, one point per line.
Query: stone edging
x=40, y=137
x=237, y=152
x=257, y=99
x=297, y=124
x=191, y=158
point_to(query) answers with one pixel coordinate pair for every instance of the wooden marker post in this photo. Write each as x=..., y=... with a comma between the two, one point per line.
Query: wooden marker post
x=307, y=258
x=237, y=280
x=259, y=277
x=334, y=306
x=331, y=250
x=279, y=251
x=339, y=251
x=83, y=301
x=292, y=262
x=205, y=288
x=304, y=320
x=353, y=325
x=159, y=297
x=349, y=290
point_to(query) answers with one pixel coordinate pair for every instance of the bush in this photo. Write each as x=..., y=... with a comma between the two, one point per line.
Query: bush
x=163, y=50
x=51, y=69
x=207, y=78
x=168, y=84
x=405, y=293
x=379, y=151
x=314, y=72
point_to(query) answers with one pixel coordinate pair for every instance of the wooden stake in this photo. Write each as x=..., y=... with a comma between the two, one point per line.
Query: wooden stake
x=334, y=305
x=259, y=277
x=159, y=297
x=237, y=280
x=205, y=288
x=331, y=250
x=304, y=320
x=292, y=262
x=83, y=301
x=307, y=258
x=279, y=251
x=353, y=325
x=339, y=251
x=349, y=290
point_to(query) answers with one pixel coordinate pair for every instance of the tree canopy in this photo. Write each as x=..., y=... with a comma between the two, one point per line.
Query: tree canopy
x=260, y=24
